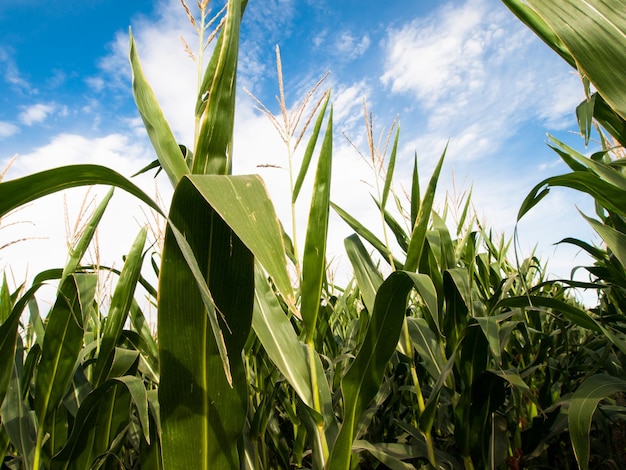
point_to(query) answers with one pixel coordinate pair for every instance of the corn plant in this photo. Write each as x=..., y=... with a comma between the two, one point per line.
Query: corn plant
x=440, y=352
x=590, y=37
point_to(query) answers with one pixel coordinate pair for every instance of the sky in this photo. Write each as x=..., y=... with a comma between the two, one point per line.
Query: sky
x=461, y=73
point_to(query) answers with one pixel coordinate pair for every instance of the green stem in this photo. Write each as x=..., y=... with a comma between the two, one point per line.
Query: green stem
x=37, y=457
x=316, y=401
x=409, y=351
x=430, y=448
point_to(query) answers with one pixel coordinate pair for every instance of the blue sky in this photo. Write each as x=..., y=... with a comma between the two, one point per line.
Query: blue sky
x=465, y=72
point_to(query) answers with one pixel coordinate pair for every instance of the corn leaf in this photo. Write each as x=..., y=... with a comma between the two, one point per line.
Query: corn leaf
x=530, y=18
x=594, y=31
x=367, y=235
x=274, y=330
x=215, y=109
x=78, y=251
x=583, y=405
x=609, y=119
x=244, y=204
x=363, y=378
x=17, y=418
x=367, y=275
x=418, y=235
x=103, y=415
x=308, y=152
x=314, y=258
x=571, y=312
x=614, y=239
x=20, y=191
x=8, y=342
x=415, y=193
x=163, y=140
x=62, y=343
x=390, y=168
x=206, y=271
x=491, y=329
x=605, y=194
x=427, y=345
x=121, y=302
x=391, y=454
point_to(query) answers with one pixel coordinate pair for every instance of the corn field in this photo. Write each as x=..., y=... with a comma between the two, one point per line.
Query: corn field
x=443, y=350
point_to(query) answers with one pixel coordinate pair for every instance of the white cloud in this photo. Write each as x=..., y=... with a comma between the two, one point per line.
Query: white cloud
x=115, y=151
x=11, y=73
x=348, y=105
x=43, y=222
x=348, y=46
x=35, y=114
x=476, y=73
x=7, y=129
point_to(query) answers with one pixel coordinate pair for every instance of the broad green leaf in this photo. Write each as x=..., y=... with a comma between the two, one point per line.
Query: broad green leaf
x=583, y=405
x=415, y=193
x=615, y=336
x=606, y=194
x=103, y=415
x=444, y=378
x=605, y=172
x=391, y=454
x=78, y=251
x=124, y=361
x=460, y=279
x=584, y=115
x=215, y=111
x=427, y=345
x=609, y=119
x=367, y=275
x=444, y=459
x=21, y=191
x=418, y=234
x=615, y=240
x=569, y=311
x=448, y=251
x=121, y=302
x=594, y=31
x=5, y=442
x=244, y=204
x=147, y=344
x=17, y=418
x=279, y=339
x=314, y=258
x=515, y=380
x=397, y=229
x=6, y=303
x=491, y=329
x=363, y=378
x=308, y=152
x=8, y=342
x=163, y=140
x=288, y=353
x=390, y=168
x=62, y=344
x=531, y=19
x=367, y=235
x=207, y=270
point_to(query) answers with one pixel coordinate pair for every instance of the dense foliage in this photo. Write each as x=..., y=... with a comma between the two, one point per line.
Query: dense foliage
x=440, y=352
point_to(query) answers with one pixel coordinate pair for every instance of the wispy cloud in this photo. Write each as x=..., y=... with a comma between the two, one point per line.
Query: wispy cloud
x=11, y=73
x=469, y=70
x=36, y=113
x=7, y=129
x=350, y=46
